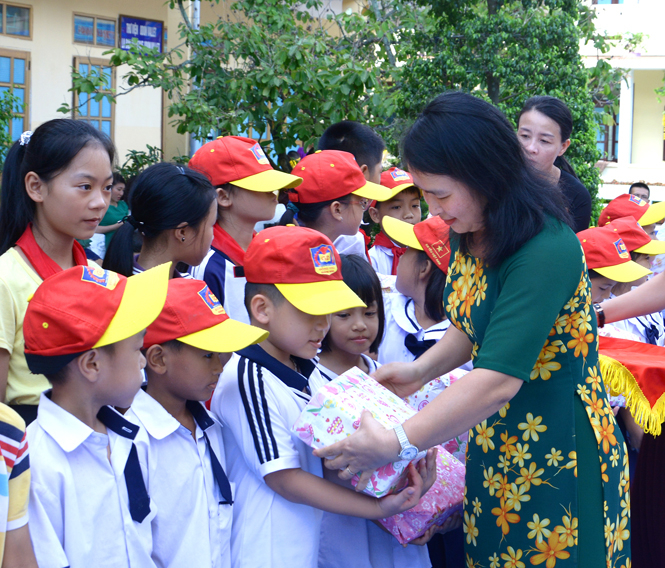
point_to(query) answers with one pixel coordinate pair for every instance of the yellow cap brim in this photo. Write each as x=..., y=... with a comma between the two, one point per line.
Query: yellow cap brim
x=320, y=298
x=141, y=303
x=654, y=214
x=654, y=247
x=397, y=189
x=270, y=180
x=225, y=337
x=373, y=191
x=625, y=272
x=401, y=232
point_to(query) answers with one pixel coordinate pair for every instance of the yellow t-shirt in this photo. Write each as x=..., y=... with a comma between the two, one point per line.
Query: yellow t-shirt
x=18, y=281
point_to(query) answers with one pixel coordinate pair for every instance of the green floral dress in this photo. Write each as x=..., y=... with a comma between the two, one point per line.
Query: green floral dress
x=552, y=463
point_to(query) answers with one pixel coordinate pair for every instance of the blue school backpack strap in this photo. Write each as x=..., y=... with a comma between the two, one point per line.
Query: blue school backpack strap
x=288, y=376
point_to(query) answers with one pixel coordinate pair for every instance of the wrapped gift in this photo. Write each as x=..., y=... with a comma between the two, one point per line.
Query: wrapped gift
x=440, y=502
x=333, y=413
x=421, y=398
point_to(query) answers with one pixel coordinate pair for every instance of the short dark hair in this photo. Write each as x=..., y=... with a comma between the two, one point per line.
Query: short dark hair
x=118, y=178
x=359, y=275
x=269, y=290
x=466, y=138
x=60, y=376
x=308, y=213
x=358, y=139
x=640, y=184
x=593, y=274
x=434, y=290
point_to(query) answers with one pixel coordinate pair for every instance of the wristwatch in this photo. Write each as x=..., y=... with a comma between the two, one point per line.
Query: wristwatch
x=409, y=451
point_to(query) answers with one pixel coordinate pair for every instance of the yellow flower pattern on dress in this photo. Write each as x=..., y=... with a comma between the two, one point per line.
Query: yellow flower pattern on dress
x=523, y=467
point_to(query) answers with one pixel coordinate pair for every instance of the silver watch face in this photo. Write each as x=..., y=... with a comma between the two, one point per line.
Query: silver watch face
x=408, y=453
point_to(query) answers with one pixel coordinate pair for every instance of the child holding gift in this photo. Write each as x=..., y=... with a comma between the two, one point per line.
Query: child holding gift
x=293, y=281
x=185, y=469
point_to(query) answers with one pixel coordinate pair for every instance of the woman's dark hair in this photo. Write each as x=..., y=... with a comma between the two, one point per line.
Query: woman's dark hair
x=162, y=197
x=308, y=213
x=471, y=141
x=359, y=275
x=118, y=178
x=556, y=110
x=50, y=150
x=434, y=290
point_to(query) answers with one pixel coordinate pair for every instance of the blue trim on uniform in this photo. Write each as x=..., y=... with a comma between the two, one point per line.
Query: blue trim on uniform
x=201, y=416
x=285, y=374
x=11, y=432
x=116, y=423
x=245, y=402
x=415, y=325
x=214, y=274
x=20, y=467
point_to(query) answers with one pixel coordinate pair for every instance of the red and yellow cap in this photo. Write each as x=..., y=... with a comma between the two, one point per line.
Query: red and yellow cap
x=86, y=307
x=331, y=174
x=628, y=205
x=304, y=266
x=635, y=237
x=430, y=235
x=193, y=315
x=607, y=254
x=242, y=162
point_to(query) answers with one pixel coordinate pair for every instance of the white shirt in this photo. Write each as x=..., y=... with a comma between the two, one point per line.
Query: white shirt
x=180, y=481
x=258, y=408
x=381, y=259
x=351, y=244
x=352, y=541
x=645, y=327
x=79, y=512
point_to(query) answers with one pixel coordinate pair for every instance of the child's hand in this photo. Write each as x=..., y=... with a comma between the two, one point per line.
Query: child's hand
x=405, y=499
x=453, y=522
x=427, y=469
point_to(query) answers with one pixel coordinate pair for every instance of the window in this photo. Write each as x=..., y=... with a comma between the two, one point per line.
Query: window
x=92, y=30
x=15, y=20
x=101, y=114
x=607, y=139
x=607, y=1
x=14, y=77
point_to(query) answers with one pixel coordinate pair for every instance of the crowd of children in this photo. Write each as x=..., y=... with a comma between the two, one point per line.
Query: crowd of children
x=111, y=366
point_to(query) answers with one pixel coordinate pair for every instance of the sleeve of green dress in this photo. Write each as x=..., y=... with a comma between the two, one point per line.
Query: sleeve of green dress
x=536, y=283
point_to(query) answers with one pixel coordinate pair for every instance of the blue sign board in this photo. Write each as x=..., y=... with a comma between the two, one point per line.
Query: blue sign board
x=147, y=32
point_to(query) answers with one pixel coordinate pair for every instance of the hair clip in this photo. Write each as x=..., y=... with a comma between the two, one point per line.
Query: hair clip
x=181, y=170
x=25, y=138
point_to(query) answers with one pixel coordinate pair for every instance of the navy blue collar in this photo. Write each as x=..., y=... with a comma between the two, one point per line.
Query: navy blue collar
x=200, y=415
x=116, y=423
x=288, y=376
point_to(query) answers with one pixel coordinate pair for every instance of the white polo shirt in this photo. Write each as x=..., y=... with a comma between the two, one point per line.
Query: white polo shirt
x=352, y=541
x=79, y=512
x=258, y=399
x=192, y=527
x=381, y=259
x=351, y=244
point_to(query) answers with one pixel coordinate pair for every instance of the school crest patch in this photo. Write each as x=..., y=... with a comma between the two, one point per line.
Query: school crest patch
x=323, y=258
x=621, y=249
x=101, y=277
x=399, y=175
x=259, y=154
x=637, y=200
x=440, y=252
x=211, y=301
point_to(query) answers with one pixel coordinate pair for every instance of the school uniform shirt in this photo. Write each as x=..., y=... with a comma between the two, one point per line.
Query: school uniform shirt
x=217, y=272
x=79, y=512
x=180, y=481
x=351, y=541
x=381, y=259
x=649, y=328
x=258, y=399
x=352, y=244
x=137, y=269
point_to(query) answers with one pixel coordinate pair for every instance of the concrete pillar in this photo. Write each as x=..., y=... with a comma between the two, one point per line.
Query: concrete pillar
x=626, y=101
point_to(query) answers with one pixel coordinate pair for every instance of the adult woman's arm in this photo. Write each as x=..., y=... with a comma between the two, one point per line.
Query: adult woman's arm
x=647, y=299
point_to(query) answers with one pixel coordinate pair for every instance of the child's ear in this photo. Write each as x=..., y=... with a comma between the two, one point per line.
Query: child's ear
x=374, y=215
x=155, y=359
x=182, y=232
x=365, y=170
x=35, y=187
x=425, y=270
x=224, y=197
x=89, y=365
x=261, y=309
x=336, y=211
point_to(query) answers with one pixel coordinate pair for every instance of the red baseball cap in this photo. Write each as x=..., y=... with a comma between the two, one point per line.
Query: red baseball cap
x=86, y=307
x=193, y=315
x=396, y=180
x=628, y=205
x=304, y=266
x=242, y=162
x=430, y=235
x=607, y=254
x=635, y=237
x=331, y=174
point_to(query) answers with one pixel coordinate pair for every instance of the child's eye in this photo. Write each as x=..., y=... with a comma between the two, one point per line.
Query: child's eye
x=108, y=188
x=395, y=207
x=342, y=315
x=209, y=355
x=85, y=186
x=370, y=314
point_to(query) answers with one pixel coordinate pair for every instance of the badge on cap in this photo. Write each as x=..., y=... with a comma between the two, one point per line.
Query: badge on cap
x=636, y=200
x=101, y=277
x=211, y=301
x=440, y=252
x=323, y=257
x=259, y=154
x=621, y=249
x=399, y=175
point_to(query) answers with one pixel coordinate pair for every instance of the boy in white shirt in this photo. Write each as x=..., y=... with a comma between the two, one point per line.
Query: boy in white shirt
x=88, y=501
x=294, y=281
x=186, y=348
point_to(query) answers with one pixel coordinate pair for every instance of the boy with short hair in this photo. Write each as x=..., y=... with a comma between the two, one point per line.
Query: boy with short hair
x=88, y=502
x=186, y=348
x=403, y=204
x=293, y=281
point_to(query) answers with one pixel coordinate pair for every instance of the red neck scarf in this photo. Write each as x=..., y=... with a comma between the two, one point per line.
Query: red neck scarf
x=382, y=240
x=225, y=243
x=43, y=264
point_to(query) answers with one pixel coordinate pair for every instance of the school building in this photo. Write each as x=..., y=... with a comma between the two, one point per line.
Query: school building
x=634, y=148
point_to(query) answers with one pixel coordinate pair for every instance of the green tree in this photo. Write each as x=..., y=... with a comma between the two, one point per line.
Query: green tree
x=9, y=104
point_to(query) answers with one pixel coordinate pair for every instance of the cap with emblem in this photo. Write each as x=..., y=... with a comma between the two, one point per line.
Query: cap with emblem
x=304, y=266
x=430, y=236
x=242, y=162
x=86, y=307
x=628, y=205
x=331, y=174
x=606, y=253
x=635, y=238
x=193, y=315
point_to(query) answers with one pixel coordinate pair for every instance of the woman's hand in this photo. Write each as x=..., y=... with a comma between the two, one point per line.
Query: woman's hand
x=401, y=378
